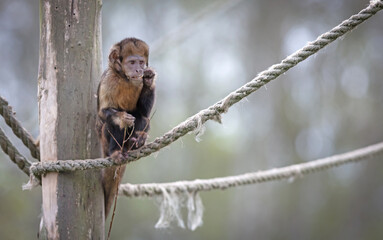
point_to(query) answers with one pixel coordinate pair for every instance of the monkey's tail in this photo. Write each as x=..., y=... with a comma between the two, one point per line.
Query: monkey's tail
x=111, y=179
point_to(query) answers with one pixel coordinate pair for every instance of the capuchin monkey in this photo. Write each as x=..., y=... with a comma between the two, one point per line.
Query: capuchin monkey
x=125, y=97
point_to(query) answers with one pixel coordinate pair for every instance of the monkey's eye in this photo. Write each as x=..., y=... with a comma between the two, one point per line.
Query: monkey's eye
x=142, y=62
x=132, y=62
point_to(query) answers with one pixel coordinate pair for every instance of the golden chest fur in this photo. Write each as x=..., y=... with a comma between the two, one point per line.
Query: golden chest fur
x=119, y=93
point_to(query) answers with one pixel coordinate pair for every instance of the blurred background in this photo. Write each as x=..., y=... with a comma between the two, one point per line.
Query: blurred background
x=202, y=50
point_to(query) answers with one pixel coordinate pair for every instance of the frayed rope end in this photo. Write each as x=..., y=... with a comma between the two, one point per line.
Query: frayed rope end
x=32, y=183
x=171, y=203
x=195, y=211
x=200, y=129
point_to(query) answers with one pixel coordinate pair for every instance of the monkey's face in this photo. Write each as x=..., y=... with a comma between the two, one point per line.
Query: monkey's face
x=133, y=66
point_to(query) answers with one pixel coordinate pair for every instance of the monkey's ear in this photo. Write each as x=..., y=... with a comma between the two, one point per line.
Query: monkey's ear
x=114, y=58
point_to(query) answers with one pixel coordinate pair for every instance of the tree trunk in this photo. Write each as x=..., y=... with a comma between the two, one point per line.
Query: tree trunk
x=69, y=70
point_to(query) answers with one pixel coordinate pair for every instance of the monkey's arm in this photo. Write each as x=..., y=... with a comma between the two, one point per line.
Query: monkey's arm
x=146, y=100
x=144, y=106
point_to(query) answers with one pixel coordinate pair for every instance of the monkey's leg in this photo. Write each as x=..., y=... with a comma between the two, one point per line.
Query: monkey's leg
x=111, y=177
x=141, y=127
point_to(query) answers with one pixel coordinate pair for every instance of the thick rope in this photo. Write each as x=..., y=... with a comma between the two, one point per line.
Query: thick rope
x=18, y=130
x=13, y=154
x=173, y=197
x=290, y=172
x=213, y=112
x=195, y=122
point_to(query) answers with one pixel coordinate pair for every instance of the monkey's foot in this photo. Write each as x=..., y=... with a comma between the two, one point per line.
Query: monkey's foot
x=141, y=139
x=118, y=157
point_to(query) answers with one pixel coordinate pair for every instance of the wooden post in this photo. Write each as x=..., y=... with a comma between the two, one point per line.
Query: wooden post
x=69, y=71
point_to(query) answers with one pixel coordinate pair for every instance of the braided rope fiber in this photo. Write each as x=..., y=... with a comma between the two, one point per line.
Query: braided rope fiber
x=17, y=129
x=13, y=154
x=290, y=172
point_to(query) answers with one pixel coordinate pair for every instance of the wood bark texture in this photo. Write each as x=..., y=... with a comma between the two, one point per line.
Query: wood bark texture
x=69, y=70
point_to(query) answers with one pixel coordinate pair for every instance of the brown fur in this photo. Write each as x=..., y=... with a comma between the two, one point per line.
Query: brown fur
x=123, y=120
x=118, y=93
x=127, y=47
x=130, y=48
x=123, y=101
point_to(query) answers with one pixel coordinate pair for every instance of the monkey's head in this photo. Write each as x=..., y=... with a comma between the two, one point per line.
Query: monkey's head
x=129, y=58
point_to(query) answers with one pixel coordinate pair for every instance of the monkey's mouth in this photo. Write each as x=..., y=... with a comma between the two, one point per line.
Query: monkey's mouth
x=135, y=78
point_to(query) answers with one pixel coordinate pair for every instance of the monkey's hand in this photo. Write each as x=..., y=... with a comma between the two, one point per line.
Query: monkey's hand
x=123, y=119
x=149, y=75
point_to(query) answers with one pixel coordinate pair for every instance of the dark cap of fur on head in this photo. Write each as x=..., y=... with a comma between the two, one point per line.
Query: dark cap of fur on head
x=134, y=46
